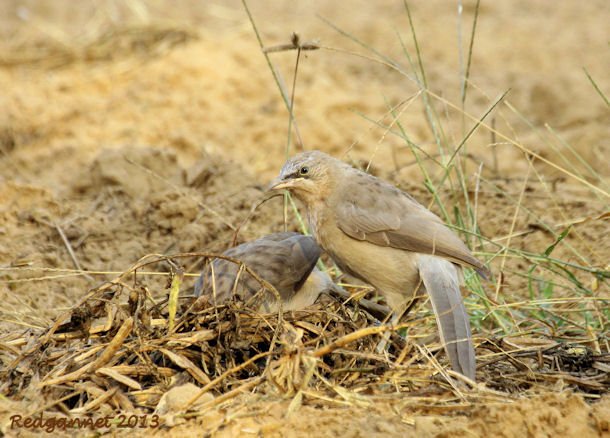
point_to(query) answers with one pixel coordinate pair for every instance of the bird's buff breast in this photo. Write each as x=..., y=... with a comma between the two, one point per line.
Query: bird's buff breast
x=393, y=272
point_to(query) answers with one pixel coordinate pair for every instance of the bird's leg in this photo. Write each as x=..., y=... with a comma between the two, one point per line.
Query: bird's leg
x=397, y=316
x=385, y=338
x=414, y=300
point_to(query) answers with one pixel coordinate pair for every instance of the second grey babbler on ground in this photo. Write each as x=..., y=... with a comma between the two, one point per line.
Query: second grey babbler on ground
x=381, y=235
x=286, y=260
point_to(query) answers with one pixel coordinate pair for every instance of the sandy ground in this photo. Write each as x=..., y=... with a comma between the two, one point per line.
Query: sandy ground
x=153, y=127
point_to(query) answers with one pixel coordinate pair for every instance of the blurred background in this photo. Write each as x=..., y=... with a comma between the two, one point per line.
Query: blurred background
x=189, y=74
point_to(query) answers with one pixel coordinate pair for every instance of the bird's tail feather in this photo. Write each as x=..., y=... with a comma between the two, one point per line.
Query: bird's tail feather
x=440, y=278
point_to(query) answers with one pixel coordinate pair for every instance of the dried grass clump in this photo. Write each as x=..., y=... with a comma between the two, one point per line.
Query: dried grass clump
x=114, y=351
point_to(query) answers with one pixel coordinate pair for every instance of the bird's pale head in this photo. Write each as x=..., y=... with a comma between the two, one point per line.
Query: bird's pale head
x=309, y=175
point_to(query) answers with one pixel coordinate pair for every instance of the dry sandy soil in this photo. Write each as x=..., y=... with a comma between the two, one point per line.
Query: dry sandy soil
x=137, y=128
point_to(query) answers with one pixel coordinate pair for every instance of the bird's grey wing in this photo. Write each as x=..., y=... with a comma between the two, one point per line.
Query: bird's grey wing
x=298, y=255
x=275, y=237
x=219, y=276
x=441, y=281
x=382, y=214
x=217, y=280
x=285, y=260
x=199, y=284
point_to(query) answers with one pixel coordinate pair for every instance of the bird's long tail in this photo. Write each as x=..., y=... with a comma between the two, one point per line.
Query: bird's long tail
x=441, y=280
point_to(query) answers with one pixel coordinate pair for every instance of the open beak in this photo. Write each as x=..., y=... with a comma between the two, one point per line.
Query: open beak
x=283, y=184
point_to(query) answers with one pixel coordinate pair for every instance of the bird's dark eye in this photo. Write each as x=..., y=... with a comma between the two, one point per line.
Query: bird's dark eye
x=304, y=170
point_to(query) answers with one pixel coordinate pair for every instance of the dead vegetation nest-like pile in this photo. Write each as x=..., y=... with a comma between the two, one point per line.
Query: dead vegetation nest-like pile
x=119, y=350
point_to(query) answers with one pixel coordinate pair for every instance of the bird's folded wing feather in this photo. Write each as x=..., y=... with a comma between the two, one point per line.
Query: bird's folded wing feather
x=299, y=255
x=285, y=260
x=383, y=215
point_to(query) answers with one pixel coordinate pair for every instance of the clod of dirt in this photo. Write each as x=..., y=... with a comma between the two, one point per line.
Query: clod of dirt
x=136, y=171
x=171, y=211
x=173, y=401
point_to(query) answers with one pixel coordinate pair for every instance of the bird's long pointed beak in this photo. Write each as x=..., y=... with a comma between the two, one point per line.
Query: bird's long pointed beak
x=282, y=184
